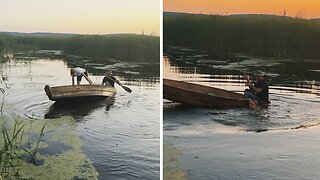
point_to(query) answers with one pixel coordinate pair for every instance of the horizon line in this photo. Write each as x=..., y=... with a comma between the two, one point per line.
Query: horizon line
x=227, y=14
x=70, y=33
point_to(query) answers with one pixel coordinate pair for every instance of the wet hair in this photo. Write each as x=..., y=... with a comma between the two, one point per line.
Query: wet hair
x=252, y=104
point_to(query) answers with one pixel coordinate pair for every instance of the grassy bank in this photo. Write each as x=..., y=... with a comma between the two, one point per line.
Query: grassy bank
x=128, y=47
x=255, y=35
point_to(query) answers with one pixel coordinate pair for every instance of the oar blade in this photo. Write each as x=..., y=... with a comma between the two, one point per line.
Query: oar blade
x=127, y=89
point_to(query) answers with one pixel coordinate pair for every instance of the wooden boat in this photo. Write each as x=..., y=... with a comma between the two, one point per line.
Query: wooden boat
x=199, y=95
x=79, y=92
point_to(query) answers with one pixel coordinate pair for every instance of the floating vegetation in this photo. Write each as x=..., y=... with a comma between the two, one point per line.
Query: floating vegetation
x=42, y=149
x=171, y=170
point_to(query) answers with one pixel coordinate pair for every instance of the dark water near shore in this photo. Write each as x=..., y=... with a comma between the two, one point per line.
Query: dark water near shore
x=120, y=135
x=272, y=143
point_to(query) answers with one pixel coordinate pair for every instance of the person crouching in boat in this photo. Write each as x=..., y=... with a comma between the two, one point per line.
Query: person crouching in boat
x=109, y=79
x=79, y=72
x=257, y=92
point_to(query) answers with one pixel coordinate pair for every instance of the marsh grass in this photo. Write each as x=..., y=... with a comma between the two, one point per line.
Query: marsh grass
x=254, y=35
x=126, y=47
x=12, y=134
x=4, y=78
x=13, y=152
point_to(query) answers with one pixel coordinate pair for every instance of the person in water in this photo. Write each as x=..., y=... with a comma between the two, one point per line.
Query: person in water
x=257, y=92
x=79, y=72
x=109, y=79
x=253, y=104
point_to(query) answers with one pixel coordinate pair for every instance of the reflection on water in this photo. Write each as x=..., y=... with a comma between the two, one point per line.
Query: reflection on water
x=77, y=111
x=119, y=135
x=198, y=66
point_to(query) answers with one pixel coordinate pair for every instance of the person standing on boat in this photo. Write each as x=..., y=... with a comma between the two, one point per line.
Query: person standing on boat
x=79, y=72
x=258, y=91
x=109, y=79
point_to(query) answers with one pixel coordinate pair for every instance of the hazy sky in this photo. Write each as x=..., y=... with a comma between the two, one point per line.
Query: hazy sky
x=80, y=16
x=304, y=8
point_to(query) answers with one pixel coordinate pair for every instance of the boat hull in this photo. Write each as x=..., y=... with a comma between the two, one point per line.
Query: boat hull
x=202, y=96
x=79, y=92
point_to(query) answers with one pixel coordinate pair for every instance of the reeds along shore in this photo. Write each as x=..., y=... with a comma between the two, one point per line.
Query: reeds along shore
x=256, y=35
x=123, y=47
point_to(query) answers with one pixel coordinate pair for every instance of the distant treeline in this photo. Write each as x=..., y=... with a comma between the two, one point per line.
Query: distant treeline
x=128, y=47
x=256, y=35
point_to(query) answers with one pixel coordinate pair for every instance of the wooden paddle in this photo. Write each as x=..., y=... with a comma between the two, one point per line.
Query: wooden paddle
x=124, y=87
x=245, y=76
x=88, y=79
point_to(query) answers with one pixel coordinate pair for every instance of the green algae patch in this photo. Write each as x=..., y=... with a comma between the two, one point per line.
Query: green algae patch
x=68, y=165
x=171, y=170
x=50, y=149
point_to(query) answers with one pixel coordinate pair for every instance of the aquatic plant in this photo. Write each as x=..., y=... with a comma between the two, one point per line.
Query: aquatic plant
x=42, y=149
x=171, y=170
x=3, y=57
x=3, y=80
x=12, y=151
x=1, y=46
x=255, y=35
x=10, y=143
x=125, y=47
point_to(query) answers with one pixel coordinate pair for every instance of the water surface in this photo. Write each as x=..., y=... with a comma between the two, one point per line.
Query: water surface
x=120, y=135
x=268, y=143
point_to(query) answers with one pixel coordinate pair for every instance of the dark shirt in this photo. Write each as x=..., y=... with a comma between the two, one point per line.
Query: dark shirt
x=264, y=94
x=108, y=81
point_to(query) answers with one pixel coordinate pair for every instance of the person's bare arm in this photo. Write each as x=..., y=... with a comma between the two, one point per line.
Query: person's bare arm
x=246, y=77
x=115, y=80
x=251, y=86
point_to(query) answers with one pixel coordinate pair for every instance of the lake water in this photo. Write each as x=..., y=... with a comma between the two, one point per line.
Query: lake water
x=278, y=142
x=120, y=136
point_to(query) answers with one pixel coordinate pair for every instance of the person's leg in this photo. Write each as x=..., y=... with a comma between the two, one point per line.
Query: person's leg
x=79, y=79
x=249, y=95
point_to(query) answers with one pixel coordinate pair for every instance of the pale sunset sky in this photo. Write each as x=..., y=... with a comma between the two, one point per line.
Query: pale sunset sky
x=304, y=8
x=81, y=16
